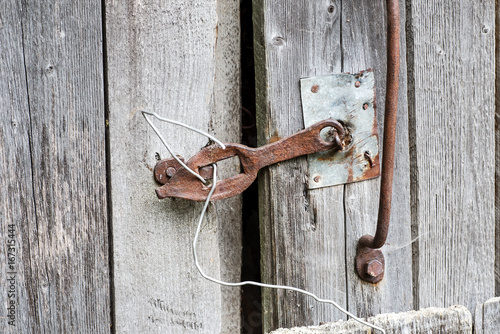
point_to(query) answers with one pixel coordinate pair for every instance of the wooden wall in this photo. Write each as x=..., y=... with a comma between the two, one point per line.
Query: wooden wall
x=85, y=245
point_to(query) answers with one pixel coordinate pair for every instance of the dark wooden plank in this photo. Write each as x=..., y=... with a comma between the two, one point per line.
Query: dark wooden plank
x=302, y=231
x=451, y=103
x=62, y=219
x=182, y=61
x=364, y=46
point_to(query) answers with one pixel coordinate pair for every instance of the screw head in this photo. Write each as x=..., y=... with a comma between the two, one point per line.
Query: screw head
x=316, y=178
x=357, y=84
x=314, y=88
x=374, y=268
x=170, y=171
x=365, y=106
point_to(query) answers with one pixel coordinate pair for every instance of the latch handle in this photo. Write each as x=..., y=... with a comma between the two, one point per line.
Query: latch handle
x=369, y=259
x=184, y=185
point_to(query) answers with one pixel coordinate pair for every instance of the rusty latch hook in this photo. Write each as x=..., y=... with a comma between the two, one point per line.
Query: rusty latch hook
x=369, y=259
x=182, y=184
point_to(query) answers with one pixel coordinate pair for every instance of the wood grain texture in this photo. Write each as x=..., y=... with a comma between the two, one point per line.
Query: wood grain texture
x=302, y=231
x=451, y=102
x=180, y=60
x=497, y=148
x=309, y=237
x=53, y=161
x=364, y=44
x=456, y=319
x=487, y=317
x=17, y=205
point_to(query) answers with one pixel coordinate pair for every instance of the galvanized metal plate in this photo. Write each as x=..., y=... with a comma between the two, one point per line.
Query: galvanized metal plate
x=349, y=99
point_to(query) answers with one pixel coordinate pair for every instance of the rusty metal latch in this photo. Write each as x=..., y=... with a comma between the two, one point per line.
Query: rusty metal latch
x=178, y=182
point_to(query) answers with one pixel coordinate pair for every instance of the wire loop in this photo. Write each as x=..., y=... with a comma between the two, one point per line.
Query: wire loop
x=144, y=113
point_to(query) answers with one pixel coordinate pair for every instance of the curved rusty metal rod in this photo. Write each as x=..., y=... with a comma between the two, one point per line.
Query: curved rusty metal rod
x=369, y=261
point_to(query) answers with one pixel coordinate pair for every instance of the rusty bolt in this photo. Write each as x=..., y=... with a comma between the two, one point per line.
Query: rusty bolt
x=365, y=106
x=374, y=268
x=170, y=171
x=316, y=178
x=315, y=88
x=357, y=84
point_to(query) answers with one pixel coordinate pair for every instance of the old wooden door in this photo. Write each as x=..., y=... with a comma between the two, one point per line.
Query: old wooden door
x=441, y=245
x=86, y=247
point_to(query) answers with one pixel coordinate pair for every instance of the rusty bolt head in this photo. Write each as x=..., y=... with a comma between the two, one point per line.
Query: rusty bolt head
x=316, y=178
x=170, y=171
x=357, y=84
x=374, y=268
x=314, y=88
x=365, y=106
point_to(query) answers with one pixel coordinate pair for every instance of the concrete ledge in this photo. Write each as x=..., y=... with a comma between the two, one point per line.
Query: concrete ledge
x=455, y=319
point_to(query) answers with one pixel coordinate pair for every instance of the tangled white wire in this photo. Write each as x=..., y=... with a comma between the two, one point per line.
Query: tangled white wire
x=202, y=215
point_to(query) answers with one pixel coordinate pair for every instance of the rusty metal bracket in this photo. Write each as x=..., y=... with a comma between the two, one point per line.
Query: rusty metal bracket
x=178, y=182
x=166, y=168
x=367, y=249
x=349, y=98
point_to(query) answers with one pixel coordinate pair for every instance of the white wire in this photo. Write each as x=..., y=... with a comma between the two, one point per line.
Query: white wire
x=203, y=212
x=272, y=286
x=168, y=147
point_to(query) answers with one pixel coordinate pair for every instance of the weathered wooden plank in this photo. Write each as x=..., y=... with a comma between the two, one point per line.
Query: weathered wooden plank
x=451, y=102
x=17, y=208
x=292, y=47
x=57, y=201
x=487, y=317
x=182, y=61
x=456, y=319
x=302, y=231
x=364, y=46
x=497, y=151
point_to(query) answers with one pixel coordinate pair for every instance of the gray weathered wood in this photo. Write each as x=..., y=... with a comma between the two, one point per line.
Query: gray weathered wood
x=302, y=231
x=305, y=234
x=456, y=319
x=17, y=205
x=497, y=152
x=487, y=317
x=451, y=102
x=53, y=185
x=364, y=46
x=180, y=60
